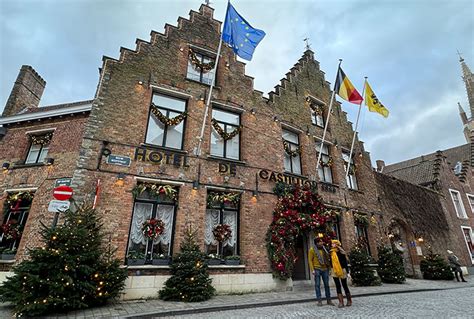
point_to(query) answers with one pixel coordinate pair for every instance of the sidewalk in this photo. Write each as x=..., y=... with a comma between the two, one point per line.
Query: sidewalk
x=159, y=308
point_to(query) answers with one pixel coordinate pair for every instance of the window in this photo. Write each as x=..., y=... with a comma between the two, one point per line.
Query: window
x=351, y=179
x=39, y=147
x=336, y=228
x=222, y=208
x=317, y=115
x=148, y=205
x=16, y=214
x=468, y=238
x=291, y=144
x=456, y=197
x=200, y=67
x=470, y=199
x=166, y=121
x=324, y=168
x=225, y=136
x=362, y=237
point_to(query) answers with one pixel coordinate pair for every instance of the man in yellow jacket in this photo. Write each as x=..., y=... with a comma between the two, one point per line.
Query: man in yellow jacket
x=319, y=264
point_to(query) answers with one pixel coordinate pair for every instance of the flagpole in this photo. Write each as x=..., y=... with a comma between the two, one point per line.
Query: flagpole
x=206, y=110
x=355, y=131
x=327, y=118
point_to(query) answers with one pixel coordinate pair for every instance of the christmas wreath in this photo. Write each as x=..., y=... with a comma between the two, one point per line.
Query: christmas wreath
x=326, y=164
x=153, y=228
x=222, y=232
x=166, y=120
x=288, y=150
x=226, y=136
x=154, y=190
x=11, y=230
x=204, y=67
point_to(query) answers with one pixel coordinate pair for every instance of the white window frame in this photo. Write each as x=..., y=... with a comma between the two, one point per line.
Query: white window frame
x=469, y=201
x=461, y=214
x=472, y=240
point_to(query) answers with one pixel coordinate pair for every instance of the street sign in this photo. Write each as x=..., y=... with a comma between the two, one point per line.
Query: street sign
x=66, y=181
x=119, y=160
x=55, y=206
x=62, y=192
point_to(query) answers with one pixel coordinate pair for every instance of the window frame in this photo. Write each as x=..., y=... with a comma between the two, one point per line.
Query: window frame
x=363, y=231
x=225, y=124
x=42, y=147
x=165, y=133
x=470, y=251
x=212, y=57
x=471, y=204
x=320, y=167
x=149, y=248
x=351, y=179
x=464, y=214
x=314, y=119
x=291, y=157
x=221, y=209
x=22, y=220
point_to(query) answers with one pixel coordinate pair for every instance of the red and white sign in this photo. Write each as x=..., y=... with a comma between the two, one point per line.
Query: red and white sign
x=62, y=192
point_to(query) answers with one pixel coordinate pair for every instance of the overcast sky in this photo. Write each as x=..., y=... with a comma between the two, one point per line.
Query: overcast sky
x=407, y=48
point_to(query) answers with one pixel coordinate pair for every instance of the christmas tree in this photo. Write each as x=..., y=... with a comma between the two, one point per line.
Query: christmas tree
x=362, y=274
x=434, y=267
x=391, y=269
x=72, y=270
x=189, y=279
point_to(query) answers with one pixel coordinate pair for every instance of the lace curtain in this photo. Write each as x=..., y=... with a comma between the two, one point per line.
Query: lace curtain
x=212, y=219
x=165, y=213
x=141, y=212
x=230, y=218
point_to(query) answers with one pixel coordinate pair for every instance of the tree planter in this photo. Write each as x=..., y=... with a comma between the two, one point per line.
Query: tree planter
x=214, y=262
x=232, y=262
x=8, y=256
x=135, y=262
x=161, y=262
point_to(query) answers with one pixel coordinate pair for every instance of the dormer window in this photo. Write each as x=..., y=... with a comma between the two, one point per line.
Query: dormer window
x=200, y=67
x=39, y=147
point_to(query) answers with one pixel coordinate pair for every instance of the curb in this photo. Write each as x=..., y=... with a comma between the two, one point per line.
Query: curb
x=167, y=313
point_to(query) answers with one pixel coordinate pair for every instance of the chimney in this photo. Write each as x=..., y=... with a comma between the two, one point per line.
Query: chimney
x=26, y=92
x=380, y=165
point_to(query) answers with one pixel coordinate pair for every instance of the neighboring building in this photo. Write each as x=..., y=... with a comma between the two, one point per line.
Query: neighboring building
x=140, y=134
x=449, y=172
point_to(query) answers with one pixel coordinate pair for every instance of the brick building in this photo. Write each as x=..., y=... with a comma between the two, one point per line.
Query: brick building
x=136, y=142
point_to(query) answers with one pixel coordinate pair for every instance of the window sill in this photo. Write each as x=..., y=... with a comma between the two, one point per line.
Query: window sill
x=329, y=184
x=224, y=159
x=226, y=266
x=355, y=190
x=161, y=148
x=141, y=267
x=7, y=261
x=27, y=165
x=202, y=83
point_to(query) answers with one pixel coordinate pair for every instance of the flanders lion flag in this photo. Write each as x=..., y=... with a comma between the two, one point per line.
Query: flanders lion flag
x=373, y=102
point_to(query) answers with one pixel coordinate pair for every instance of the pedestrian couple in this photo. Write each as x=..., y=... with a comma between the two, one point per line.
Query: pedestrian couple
x=324, y=263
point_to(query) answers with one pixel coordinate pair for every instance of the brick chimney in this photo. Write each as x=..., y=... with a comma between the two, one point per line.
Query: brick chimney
x=380, y=165
x=26, y=92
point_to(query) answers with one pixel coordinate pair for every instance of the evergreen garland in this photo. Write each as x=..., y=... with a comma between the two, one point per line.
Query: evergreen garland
x=73, y=269
x=226, y=136
x=189, y=279
x=362, y=274
x=204, y=67
x=288, y=150
x=361, y=219
x=41, y=139
x=218, y=198
x=155, y=190
x=326, y=164
x=391, y=269
x=166, y=120
x=434, y=267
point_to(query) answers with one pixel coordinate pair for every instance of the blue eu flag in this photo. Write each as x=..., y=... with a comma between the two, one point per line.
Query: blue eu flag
x=240, y=35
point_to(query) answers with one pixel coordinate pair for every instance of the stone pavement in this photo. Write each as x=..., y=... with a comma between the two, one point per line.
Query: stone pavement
x=159, y=308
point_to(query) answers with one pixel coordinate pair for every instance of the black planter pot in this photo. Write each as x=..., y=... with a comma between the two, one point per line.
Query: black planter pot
x=214, y=262
x=232, y=262
x=135, y=262
x=161, y=262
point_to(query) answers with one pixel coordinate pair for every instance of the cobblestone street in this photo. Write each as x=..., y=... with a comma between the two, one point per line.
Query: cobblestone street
x=453, y=303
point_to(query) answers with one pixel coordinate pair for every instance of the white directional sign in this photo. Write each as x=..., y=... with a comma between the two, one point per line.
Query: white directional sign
x=56, y=206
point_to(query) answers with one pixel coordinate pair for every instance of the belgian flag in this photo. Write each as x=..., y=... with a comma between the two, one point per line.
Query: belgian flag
x=345, y=89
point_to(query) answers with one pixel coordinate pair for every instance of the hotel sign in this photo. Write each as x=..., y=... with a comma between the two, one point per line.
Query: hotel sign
x=284, y=178
x=161, y=157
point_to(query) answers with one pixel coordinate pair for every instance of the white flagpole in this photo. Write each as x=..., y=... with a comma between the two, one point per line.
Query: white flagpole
x=355, y=131
x=327, y=118
x=198, y=149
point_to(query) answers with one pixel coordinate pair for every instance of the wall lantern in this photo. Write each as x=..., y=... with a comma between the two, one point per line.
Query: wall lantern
x=5, y=166
x=120, y=179
x=254, y=193
x=252, y=111
x=49, y=161
x=106, y=152
x=275, y=118
x=195, y=185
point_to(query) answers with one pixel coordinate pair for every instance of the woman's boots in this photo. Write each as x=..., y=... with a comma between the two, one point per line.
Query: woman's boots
x=341, y=300
x=349, y=300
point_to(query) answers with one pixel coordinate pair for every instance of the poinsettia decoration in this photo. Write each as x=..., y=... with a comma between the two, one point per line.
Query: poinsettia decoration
x=155, y=190
x=298, y=211
x=14, y=200
x=222, y=232
x=153, y=228
x=11, y=230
